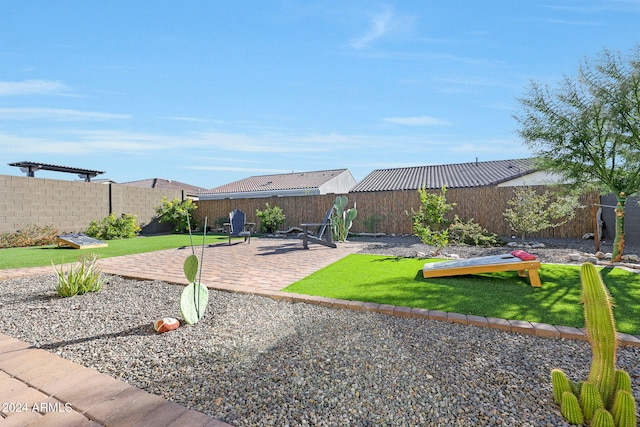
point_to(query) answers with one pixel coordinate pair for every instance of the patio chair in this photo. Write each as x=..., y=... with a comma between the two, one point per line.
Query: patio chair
x=524, y=263
x=323, y=236
x=238, y=227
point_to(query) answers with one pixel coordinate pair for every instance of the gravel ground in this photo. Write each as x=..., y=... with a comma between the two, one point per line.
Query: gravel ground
x=253, y=361
x=553, y=250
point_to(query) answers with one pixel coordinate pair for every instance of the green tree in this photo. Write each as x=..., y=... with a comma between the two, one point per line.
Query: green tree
x=176, y=212
x=529, y=212
x=588, y=129
x=429, y=222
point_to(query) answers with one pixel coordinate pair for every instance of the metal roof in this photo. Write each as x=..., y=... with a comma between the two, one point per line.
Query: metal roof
x=165, y=184
x=279, y=182
x=31, y=167
x=459, y=175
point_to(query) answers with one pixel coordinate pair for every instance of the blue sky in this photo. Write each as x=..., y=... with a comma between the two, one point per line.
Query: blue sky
x=209, y=92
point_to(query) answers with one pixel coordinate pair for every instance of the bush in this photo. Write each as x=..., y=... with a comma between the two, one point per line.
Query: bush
x=470, y=233
x=429, y=222
x=31, y=235
x=271, y=218
x=177, y=212
x=81, y=279
x=111, y=228
x=372, y=223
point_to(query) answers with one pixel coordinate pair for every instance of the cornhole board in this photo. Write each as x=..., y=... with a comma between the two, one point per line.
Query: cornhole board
x=487, y=264
x=79, y=241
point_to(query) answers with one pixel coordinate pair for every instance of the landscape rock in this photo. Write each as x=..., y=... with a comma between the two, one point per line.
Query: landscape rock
x=166, y=324
x=575, y=257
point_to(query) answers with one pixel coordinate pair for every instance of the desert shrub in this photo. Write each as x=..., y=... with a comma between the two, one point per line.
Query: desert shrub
x=111, y=228
x=429, y=222
x=271, y=218
x=220, y=222
x=530, y=212
x=177, y=212
x=80, y=279
x=31, y=235
x=471, y=233
x=371, y=223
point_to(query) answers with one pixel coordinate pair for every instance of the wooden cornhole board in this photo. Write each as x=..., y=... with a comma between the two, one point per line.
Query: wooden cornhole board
x=79, y=241
x=487, y=264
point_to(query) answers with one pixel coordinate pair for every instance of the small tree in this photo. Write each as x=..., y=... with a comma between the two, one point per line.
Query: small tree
x=176, y=212
x=588, y=129
x=530, y=212
x=429, y=222
x=271, y=218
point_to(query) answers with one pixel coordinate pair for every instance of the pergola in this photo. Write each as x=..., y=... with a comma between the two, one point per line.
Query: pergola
x=31, y=167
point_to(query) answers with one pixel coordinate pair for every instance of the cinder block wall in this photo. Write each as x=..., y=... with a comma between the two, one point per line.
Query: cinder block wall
x=69, y=206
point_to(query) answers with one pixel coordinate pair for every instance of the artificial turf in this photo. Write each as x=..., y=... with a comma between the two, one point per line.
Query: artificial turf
x=398, y=281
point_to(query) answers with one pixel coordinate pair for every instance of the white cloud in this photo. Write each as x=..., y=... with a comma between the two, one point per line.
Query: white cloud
x=417, y=121
x=30, y=87
x=379, y=26
x=58, y=114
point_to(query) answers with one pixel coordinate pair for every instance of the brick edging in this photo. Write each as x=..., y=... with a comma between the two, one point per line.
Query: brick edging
x=518, y=326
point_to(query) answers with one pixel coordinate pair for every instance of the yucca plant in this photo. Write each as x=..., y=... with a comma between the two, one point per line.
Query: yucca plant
x=82, y=278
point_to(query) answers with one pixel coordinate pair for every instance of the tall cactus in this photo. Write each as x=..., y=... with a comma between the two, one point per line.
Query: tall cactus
x=342, y=219
x=605, y=398
x=601, y=332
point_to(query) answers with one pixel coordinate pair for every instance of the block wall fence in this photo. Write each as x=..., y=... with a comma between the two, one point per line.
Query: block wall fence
x=484, y=204
x=69, y=206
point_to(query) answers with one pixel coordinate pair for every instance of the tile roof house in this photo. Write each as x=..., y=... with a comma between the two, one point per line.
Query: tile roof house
x=337, y=181
x=498, y=173
x=166, y=184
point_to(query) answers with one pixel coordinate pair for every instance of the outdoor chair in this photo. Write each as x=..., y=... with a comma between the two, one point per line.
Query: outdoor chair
x=238, y=227
x=323, y=236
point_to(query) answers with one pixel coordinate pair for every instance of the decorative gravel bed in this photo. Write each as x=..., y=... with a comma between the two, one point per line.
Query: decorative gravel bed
x=253, y=361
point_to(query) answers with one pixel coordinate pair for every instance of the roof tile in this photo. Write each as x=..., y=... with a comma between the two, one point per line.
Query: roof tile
x=289, y=181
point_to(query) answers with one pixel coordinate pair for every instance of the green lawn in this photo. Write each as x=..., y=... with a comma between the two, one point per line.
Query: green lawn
x=399, y=281
x=44, y=255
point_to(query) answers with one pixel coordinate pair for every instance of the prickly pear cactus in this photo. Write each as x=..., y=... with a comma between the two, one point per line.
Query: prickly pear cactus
x=342, y=219
x=191, y=268
x=605, y=398
x=195, y=296
x=193, y=302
